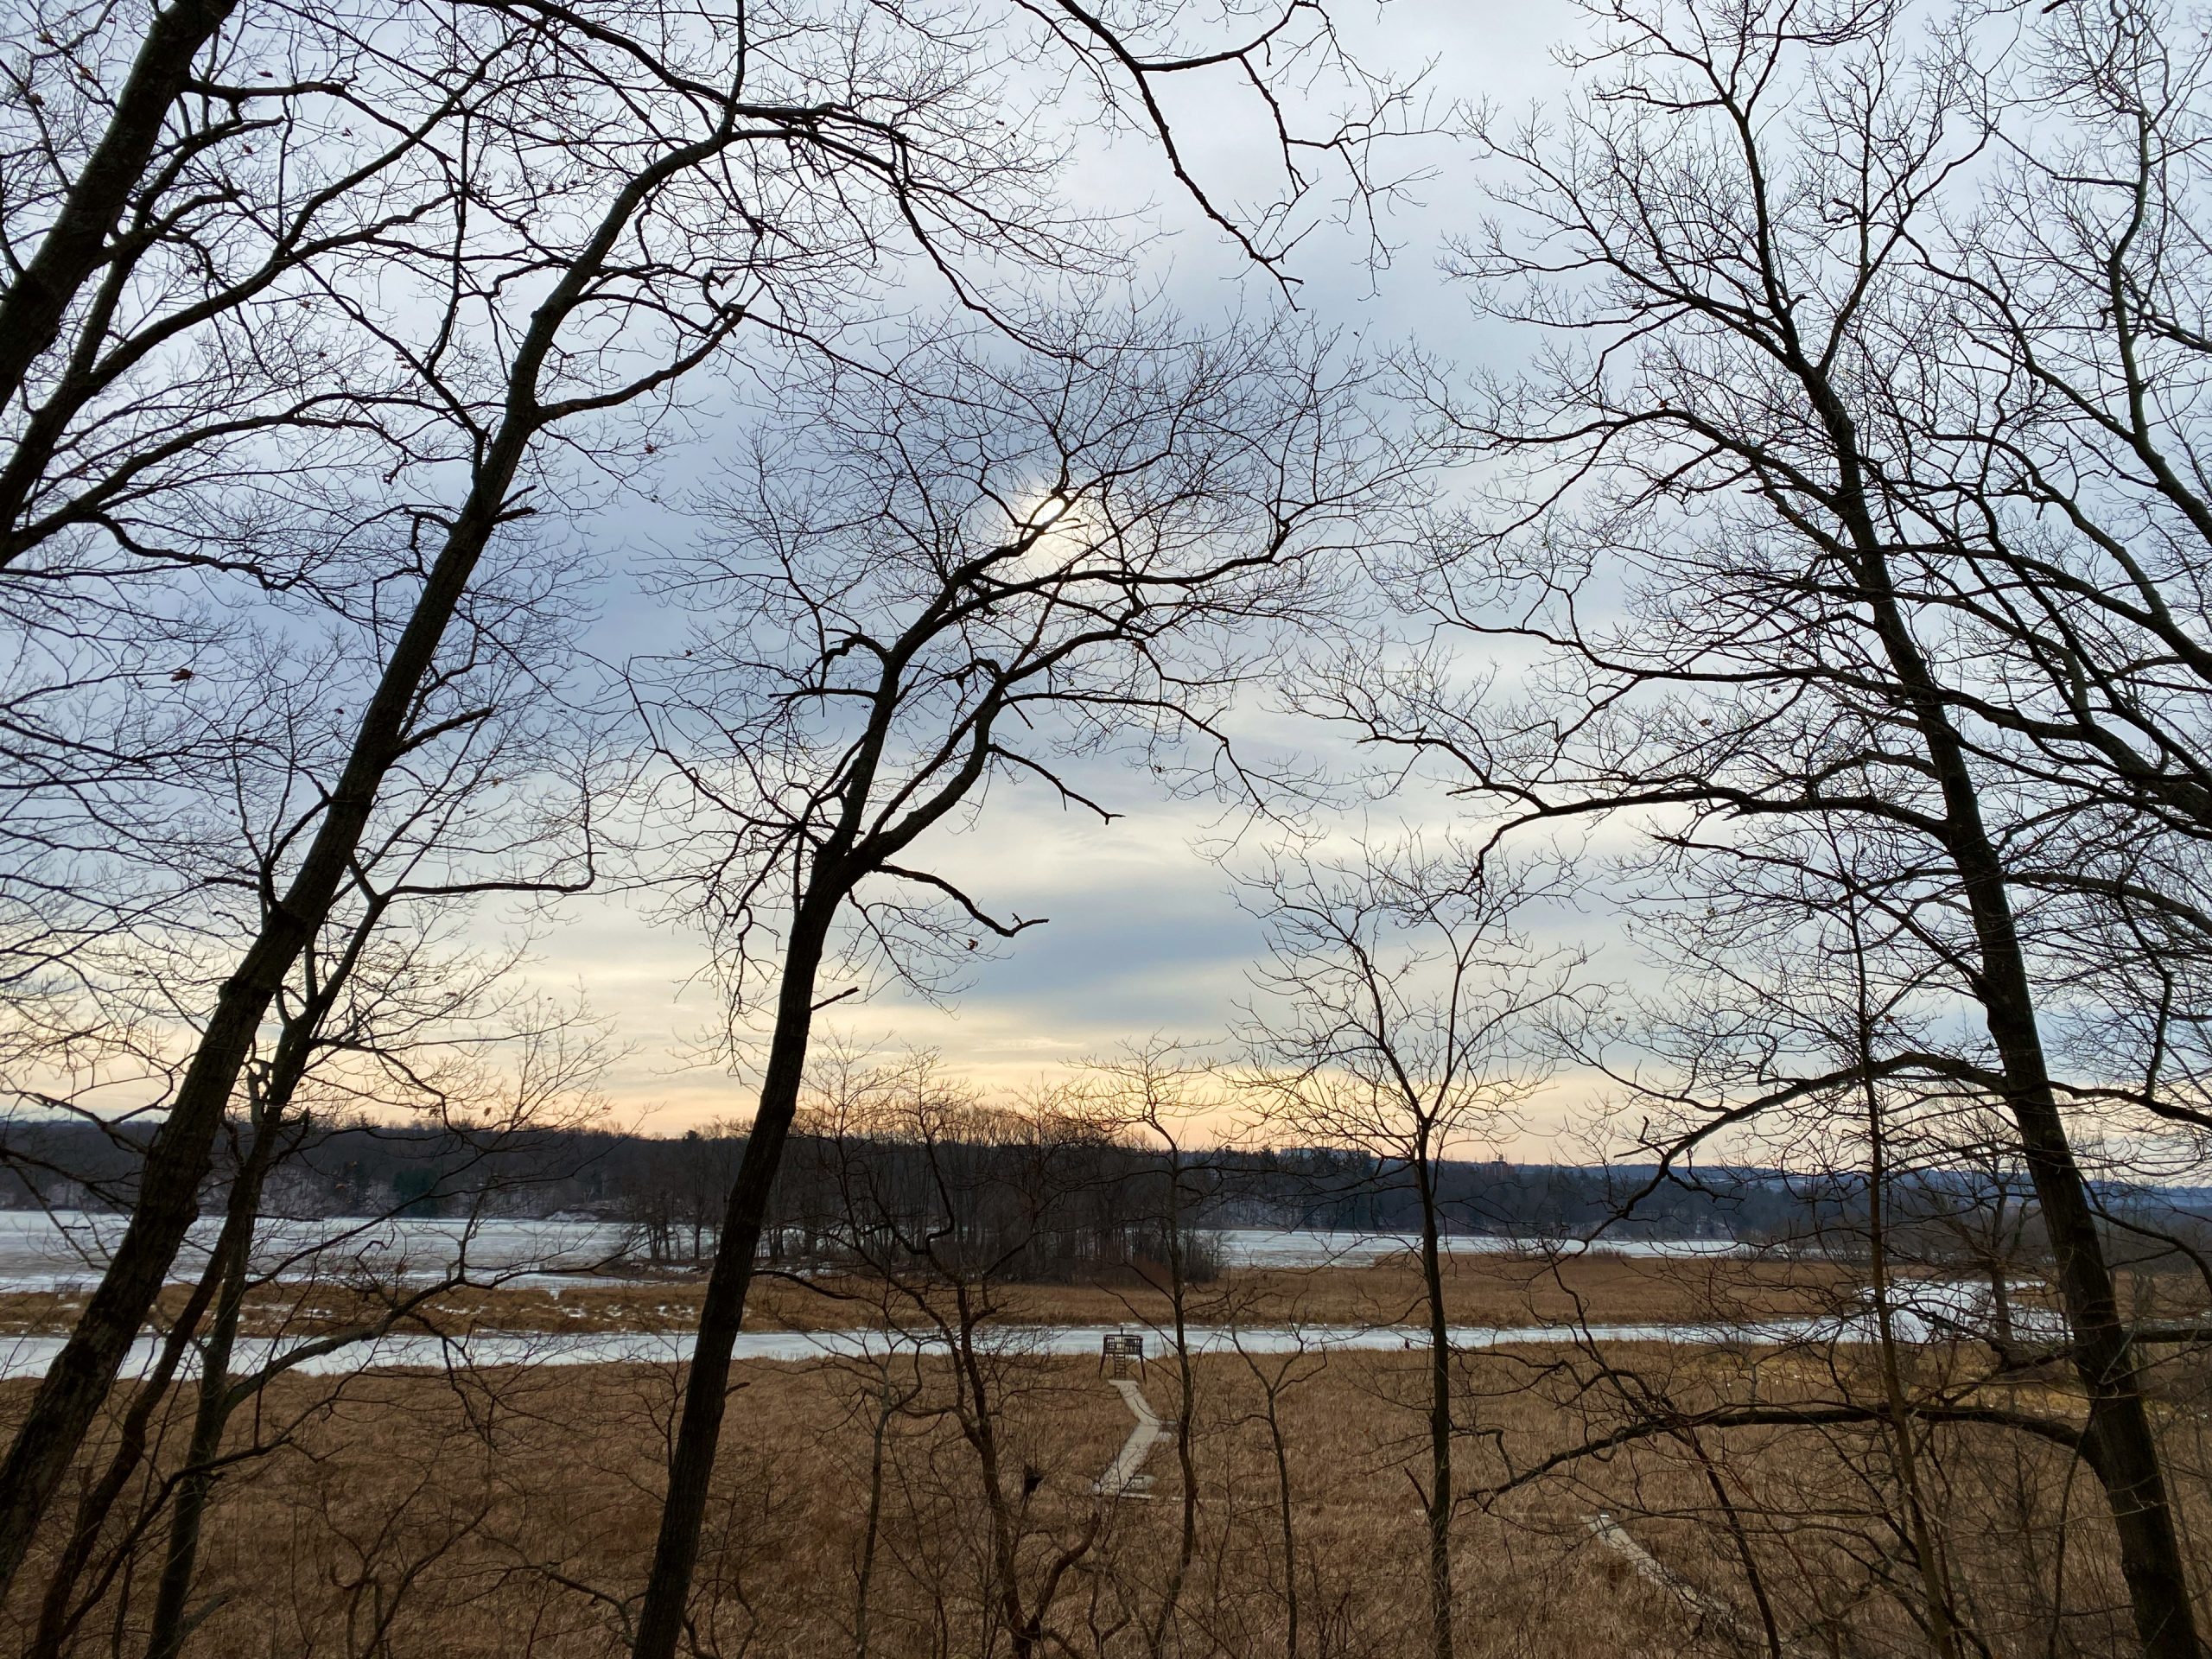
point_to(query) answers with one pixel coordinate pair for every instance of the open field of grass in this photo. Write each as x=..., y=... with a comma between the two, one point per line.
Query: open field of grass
x=499, y=1514
x=1501, y=1290
x=910, y=1509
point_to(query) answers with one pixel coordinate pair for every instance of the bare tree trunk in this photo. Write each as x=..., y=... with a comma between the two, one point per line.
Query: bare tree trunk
x=691, y=1460
x=1770, y=1630
x=1024, y=1626
x=2124, y=1452
x=1927, y=1550
x=1289, y=1530
x=1440, y=1419
x=1935, y=1577
x=75, y=245
x=886, y=1405
x=1185, y=1410
x=2122, y=1449
x=212, y=1412
x=57, y=1619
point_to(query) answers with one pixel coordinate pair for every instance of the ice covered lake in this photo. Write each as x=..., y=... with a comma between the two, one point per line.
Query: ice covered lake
x=66, y=1249
x=1927, y=1311
x=63, y=1251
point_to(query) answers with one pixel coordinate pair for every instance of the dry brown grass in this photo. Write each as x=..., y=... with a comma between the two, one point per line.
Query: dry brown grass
x=1480, y=1290
x=485, y=1515
x=511, y=1512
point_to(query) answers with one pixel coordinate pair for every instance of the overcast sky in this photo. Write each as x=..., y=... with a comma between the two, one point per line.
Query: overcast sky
x=1145, y=935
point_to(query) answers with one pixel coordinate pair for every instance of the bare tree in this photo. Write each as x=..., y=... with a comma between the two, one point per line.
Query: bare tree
x=1401, y=1014
x=510, y=231
x=413, y=707
x=1736, y=613
x=110, y=160
x=280, y=1296
x=939, y=1200
x=556, y=1062
x=925, y=592
x=1160, y=1095
x=1278, y=1377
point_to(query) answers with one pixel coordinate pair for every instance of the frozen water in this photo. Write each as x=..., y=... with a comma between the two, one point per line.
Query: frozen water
x=63, y=1251
x=66, y=1249
x=29, y=1356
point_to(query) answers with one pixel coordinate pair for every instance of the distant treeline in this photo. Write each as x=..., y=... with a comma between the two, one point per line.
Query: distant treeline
x=1111, y=1193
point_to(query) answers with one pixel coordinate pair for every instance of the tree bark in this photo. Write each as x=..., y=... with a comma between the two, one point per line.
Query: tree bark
x=75, y=244
x=691, y=1460
x=178, y=1161
x=1440, y=1420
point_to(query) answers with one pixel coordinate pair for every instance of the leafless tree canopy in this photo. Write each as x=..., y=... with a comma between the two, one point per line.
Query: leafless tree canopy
x=1793, y=640
x=322, y=328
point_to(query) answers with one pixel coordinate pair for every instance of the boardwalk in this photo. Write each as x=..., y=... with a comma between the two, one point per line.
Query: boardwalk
x=1121, y=1478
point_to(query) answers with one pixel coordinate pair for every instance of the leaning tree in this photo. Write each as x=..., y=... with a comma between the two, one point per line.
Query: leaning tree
x=919, y=596
x=328, y=320
x=1733, y=553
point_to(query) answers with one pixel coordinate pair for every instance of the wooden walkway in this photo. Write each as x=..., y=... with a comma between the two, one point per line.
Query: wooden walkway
x=1123, y=1478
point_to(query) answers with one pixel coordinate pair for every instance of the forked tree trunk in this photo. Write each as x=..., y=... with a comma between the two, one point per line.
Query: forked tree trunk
x=60, y=1609
x=75, y=245
x=70, y=1394
x=211, y=1411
